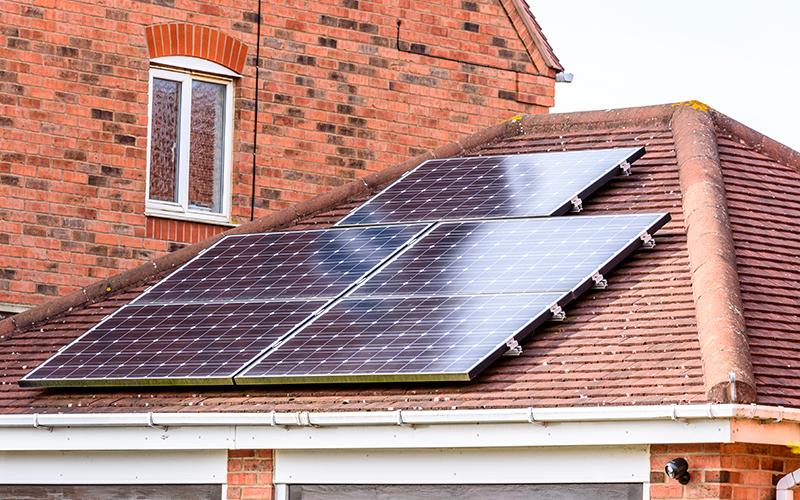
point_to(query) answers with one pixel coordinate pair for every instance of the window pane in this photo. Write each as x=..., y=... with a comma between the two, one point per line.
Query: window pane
x=206, y=145
x=164, y=140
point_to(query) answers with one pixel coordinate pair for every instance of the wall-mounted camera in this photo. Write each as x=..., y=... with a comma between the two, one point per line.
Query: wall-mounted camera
x=678, y=468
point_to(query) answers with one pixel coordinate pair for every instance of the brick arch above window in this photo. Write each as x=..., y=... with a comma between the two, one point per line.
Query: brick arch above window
x=181, y=39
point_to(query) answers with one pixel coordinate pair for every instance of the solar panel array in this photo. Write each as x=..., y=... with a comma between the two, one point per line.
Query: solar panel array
x=388, y=301
x=445, y=307
x=221, y=310
x=483, y=187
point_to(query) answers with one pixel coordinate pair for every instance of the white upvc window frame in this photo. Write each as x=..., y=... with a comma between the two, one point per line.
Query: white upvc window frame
x=181, y=210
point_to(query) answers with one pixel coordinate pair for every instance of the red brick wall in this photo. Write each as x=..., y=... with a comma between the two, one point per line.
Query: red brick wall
x=722, y=471
x=337, y=100
x=250, y=474
x=718, y=471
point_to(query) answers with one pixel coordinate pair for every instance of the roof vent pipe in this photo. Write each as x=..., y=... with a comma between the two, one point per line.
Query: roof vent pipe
x=789, y=480
x=564, y=77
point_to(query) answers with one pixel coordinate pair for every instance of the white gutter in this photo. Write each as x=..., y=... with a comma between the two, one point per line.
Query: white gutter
x=542, y=416
x=788, y=481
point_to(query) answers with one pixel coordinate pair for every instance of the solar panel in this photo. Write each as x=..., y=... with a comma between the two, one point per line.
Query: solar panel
x=508, y=256
x=222, y=309
x=286, y=265
x=445, y=307
x=482, y=187
x=402, y=339
x=155, y=344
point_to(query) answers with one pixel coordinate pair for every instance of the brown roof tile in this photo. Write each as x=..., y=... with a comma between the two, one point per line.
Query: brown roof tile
x=636, y=342
x=764, y=211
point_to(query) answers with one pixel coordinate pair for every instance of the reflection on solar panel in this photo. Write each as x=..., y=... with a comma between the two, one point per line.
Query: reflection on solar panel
x=493, y=186
x=444, y=308
x=224, y=308
x=288, y=265
x=507, y=256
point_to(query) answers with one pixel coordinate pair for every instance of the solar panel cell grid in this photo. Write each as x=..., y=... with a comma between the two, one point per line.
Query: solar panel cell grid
x=433, y=338
x=186, y=341
x=507, y=256
x=493, y=186
x=280, y=266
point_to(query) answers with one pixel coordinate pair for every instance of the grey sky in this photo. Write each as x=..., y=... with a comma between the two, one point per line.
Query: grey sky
x=740, y=57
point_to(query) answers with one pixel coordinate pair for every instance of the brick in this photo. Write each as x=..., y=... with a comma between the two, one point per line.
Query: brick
x=262, y=492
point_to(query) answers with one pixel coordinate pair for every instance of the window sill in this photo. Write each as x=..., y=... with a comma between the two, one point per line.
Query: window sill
x=215, y=220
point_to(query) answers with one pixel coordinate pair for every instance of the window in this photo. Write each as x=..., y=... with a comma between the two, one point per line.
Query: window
x=189, y=147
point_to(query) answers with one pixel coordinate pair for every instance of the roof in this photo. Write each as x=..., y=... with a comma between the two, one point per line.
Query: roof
x=531, y=34
x=715, y=297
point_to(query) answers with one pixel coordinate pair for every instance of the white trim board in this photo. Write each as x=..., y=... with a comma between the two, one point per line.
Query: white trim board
x=264, y=436
x=114, y=467
x=581, y=464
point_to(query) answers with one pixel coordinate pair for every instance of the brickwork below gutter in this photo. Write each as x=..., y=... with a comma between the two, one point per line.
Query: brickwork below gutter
x=715, y=280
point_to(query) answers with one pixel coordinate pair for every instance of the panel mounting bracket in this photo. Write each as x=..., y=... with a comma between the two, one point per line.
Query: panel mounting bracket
x=626, y=168
x=514, y=349
x=599, y=281
x=558, y=313
x=647, y=240
x=577, y=203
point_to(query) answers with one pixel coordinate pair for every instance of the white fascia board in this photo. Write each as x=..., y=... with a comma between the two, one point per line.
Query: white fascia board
x=487, y=435
x=391, y=429
x=113, y=467
x=118, y=438
x=585, y=464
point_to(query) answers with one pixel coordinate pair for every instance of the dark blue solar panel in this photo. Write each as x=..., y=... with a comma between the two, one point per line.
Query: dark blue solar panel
x=508, y=256
x=224, y=308
x=444, y=308
x=280, y=266
x=394, y=339
x=485, y=187
x=154, y=344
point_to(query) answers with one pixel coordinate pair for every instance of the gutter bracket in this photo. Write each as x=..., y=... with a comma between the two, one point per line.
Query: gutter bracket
x=37, y=426
x=274, y=423
x=304, y=419
x=675, y=415
x=775, y=420
x=626, y=168
x=577, y=204
x=532, y=418
x=400, y=420
x=151, y=423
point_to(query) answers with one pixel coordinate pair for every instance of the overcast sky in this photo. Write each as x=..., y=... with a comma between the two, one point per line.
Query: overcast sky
x=740, y=57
